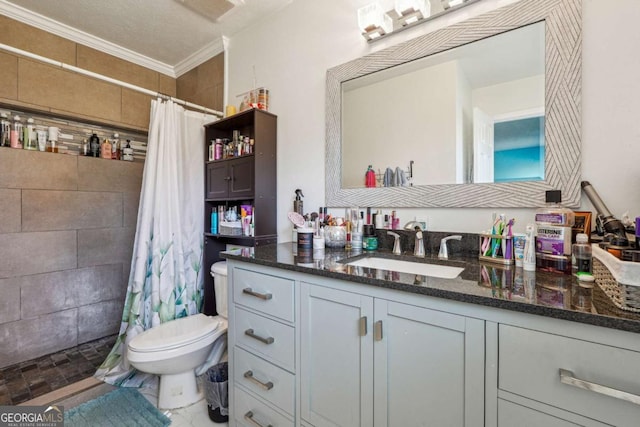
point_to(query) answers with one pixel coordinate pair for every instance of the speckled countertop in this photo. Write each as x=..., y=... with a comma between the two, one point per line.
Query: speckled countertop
x=510, y=288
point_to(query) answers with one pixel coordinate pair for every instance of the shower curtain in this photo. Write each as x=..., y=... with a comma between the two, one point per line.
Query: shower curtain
x=166, y=275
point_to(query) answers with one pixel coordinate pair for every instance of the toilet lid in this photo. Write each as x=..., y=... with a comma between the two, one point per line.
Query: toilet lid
x=175, y=333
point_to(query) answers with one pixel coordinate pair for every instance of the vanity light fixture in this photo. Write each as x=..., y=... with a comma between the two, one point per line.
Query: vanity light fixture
x=410, y=11
x=375, y=24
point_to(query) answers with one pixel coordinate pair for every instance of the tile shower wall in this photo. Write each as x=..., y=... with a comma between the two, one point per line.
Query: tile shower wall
x=66, y=239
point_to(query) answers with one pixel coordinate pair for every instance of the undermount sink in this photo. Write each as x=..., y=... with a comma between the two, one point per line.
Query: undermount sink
x=432, y=270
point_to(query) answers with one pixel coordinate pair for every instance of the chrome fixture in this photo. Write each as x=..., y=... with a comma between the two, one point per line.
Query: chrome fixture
x=444, y=252
x=418, y=246
x=396, y=243
x=375, y=23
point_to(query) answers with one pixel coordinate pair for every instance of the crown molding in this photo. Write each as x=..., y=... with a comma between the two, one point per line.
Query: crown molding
x=39, y=21
x=202, y=55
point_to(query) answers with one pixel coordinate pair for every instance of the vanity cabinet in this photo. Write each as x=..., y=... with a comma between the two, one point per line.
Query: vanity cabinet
x=245, y=180
x=262, y=348
x=367, y=361
x=584, y=378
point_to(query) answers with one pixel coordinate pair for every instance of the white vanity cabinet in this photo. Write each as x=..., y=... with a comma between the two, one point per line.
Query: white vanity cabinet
x=313, y=351
x=262, y=347
x=591, y=382
x=368, y=361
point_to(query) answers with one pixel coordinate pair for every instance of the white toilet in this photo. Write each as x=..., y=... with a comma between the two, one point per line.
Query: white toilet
x=173, y=350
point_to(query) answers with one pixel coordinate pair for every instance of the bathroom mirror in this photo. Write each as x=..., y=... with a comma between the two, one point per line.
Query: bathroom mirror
x=536, y=47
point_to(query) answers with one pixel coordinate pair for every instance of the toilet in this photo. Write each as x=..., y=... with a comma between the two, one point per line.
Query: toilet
x=174, y=349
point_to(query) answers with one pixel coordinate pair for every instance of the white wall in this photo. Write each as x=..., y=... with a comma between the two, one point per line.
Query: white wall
x=292, y=50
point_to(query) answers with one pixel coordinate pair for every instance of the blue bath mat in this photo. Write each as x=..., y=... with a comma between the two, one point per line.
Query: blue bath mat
x=121, y=407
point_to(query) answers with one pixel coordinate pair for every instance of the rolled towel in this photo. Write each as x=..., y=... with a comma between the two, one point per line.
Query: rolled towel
x=388, y=178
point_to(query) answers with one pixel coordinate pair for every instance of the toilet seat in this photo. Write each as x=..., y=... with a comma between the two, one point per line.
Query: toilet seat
x=177, y=333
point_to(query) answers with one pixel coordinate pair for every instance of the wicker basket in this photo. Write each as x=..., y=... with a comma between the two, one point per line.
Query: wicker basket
x=618, y=287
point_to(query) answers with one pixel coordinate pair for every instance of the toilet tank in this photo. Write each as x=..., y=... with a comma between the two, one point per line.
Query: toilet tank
x=219, y=274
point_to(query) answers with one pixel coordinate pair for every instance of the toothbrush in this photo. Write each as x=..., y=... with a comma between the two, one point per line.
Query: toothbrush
x=497, y=240
x=490, y=240
x=507, y=244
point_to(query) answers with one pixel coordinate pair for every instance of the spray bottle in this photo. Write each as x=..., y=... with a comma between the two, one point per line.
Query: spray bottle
x=297, y=203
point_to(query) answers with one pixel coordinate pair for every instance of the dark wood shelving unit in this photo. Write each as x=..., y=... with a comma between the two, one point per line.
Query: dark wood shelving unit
x=243, y=180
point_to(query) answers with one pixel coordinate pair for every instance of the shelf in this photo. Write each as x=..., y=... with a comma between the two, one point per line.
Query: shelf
x=230, y=158
x=244, y=118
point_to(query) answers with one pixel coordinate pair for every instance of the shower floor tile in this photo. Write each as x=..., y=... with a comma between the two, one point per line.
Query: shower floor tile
x=32, y=378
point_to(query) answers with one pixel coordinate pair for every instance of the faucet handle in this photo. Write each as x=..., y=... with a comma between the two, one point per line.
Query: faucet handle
x=396, y=242
x=444, y=253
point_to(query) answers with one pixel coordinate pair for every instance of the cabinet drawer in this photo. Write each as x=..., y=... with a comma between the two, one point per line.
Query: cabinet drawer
x=277, y=384
x=530, y=364
x=511, y=414
x=251, y=412
x=269, y=294
x=268, y=338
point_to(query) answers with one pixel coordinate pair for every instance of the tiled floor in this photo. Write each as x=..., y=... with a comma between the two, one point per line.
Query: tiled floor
x=33, y=378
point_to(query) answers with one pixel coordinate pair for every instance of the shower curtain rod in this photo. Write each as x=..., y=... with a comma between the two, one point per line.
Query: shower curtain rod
x=107, y=79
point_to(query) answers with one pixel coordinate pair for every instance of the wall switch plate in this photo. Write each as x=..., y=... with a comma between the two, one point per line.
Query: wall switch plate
x=423, y=220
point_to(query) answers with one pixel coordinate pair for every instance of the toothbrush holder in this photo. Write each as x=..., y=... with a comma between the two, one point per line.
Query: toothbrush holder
x=496, y=248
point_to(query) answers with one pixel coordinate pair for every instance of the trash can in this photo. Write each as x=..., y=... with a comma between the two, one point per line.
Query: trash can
x=216, y=391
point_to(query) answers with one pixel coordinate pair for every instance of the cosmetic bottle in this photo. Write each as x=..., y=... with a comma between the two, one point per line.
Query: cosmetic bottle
x=16, y=133
x=94, y=145
x=127, y=152
x=581, y=257
x=5, y=130
x=297, y=203
x=529, y=258
x=29, y=139
x=116, y=152
x=105, y=149
x=553, y=243
x=214, y=221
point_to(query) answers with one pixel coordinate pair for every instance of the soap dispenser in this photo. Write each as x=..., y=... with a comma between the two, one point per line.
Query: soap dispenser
x=297, y=203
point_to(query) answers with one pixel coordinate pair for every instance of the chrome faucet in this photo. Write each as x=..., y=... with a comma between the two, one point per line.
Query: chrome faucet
x=444, y=253
x=418, y=246
x=396, y=243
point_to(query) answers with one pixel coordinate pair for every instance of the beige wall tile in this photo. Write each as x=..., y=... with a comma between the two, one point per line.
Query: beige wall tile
x=31, y=39
x=70, y=210
x=131, y=202
x=105, y=246
x=32, y=338
x=10, y=300
x=67, y=91
x=32, y=253
x=11, y=207
x=99, y=175
x=50, y=292
x=37, y=170
x=8, y=76
x=136, y=108
x=99, y=320
x=166, y=85
x=111, y=66
x=203, y=84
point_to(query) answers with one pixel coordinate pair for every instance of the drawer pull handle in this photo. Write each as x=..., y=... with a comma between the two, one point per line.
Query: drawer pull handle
x=249, y=375
x=251, y=292
x=268, y=340
x=567, y=377
x=249, y=417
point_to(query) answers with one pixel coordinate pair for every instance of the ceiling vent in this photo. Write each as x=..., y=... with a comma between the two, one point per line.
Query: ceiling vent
x=210, y=9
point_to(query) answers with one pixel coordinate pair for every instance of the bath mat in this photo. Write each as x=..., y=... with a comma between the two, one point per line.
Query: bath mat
x=121, y=407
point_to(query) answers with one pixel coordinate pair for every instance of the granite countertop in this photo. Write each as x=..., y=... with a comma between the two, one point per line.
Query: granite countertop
x=506, y=287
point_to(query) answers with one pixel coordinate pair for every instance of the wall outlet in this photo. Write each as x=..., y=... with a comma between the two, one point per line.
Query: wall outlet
x=423, y=220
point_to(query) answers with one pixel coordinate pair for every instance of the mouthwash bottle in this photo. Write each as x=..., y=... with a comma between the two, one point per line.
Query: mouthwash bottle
x=553, y=241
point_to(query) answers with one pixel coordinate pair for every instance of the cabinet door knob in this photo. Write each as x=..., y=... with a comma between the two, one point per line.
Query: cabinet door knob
x=253, y=293
x=249, y=375
x=227, y=178
x=268, y=340
x=249, y=417
x=567, y=377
